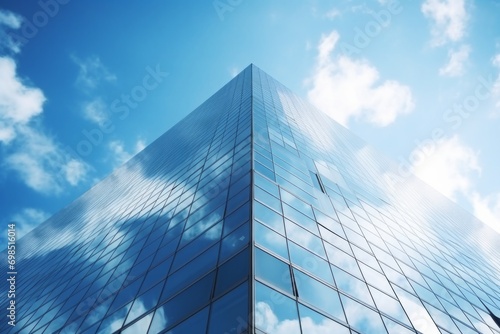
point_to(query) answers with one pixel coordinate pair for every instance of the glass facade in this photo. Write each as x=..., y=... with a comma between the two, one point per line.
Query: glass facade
x=258, y=214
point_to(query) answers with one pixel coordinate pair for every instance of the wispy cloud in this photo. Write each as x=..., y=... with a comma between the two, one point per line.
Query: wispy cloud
x=449, y=20
x=9, y=20
x=449, y=167
x=19, y=103
x=91, y=73
x=38, y=159
x=349, y=88
x=332, y=13
x=42, y=164
x=456, y=61
x=120, y=154
x=95, y=111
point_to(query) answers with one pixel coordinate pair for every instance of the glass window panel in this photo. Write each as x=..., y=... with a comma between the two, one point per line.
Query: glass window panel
x=140, y=326
x=300, y=219
x=304, y=238
x=192, y=271
x=390, y=306
x=156, y=274
x=164, y=252
x=361, y=317
x=426, y=294
x=357, y=239
x=351, y=285
x=273, y=271
x=376, y=279
x=235, y=241
x=329, y=223
x=343, y=260
x=115, y=320
x=144, y=303
x=268, y=199
x=265, y=184
x=232, y=272
x=266, y=162
x=396, y=277
x=198, y=245
x=417, y=313
x=263, y=170
x=310, y=262
x=314, y=322
x=315, y=181
x=237, y=200
x=235, y=219
x=318, y=295
x=270, y=240
x=197, y=229
x=188, y=301
x=274, y=312
x=125, y=295
x=230, y=313
x=196, y=323
x=395, y=328
x=268, y=217
x=296, y=203
x=334, y=239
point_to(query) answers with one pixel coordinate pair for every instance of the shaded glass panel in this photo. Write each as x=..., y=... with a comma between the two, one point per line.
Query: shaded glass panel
x=229, y=314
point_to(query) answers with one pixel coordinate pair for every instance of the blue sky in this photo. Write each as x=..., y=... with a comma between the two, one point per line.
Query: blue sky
x=86, y=85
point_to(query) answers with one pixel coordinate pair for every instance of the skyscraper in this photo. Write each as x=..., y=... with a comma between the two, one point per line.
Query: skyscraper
x=258, y=214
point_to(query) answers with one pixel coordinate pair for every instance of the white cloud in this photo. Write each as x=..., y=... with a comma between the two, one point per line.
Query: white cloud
x=447, y=166
x=9, y=20
x=487, y=209
x=449, y=19
x=95, y=111
x=28, y=219
x=121, y=155
x=40, y=161
x=75, y=171
x=42, y=164
x=347, y=88
x=332, y=14
x=456, y=60
x=19, y=103
x=92, y=73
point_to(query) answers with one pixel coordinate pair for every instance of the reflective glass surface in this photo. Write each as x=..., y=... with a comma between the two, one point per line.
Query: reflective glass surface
x=156, y=246
x=372, y=249
x=258, y=214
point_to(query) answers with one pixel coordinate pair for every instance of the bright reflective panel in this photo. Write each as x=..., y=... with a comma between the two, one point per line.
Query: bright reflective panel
x=274, y=312
x=318, y=295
